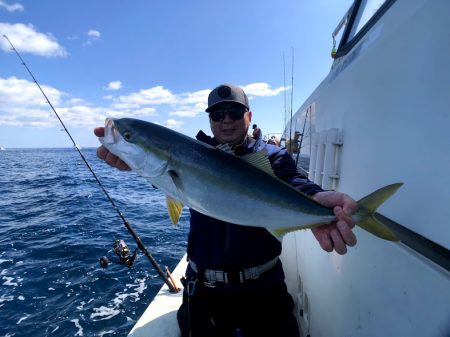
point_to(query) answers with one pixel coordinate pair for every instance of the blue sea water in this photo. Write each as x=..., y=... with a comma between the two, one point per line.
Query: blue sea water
x=55, y=224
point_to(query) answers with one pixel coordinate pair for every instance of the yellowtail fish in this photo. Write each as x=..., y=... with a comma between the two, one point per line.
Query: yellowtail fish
x=213, y=181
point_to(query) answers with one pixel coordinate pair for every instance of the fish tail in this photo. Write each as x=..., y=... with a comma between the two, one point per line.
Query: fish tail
x=367, y=207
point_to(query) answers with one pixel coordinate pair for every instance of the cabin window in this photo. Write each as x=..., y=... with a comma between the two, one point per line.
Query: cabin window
x=366, y=11
x=361, y=17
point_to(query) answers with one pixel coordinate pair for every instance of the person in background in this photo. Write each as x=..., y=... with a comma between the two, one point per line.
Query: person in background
x=293, y=145
x=274, y=141
x=257, y=133
x=234, y=283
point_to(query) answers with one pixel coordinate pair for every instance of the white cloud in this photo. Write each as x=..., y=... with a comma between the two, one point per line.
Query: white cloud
x=26, y=39
x=114, y=85
x=145, y=112
x=76, y=101
x=95, y=34
x=182, y=105
x=11, y=8
x=92, y=36
x=190, y=104
x=173, y=124
x=155, y=95
x=28, y=117
x=125, y=106
x=262, y=89
x=201, y=106
x=17, y=92
x=22, y=104
x=84, y=115
x=195, y=97
x=186, y=112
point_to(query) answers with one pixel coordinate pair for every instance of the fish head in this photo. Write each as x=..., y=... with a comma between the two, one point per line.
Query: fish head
x=131, y=140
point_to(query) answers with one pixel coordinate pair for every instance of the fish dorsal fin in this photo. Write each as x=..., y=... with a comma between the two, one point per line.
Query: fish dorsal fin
x=259, y=160
x=174, y=207
x=225, y=148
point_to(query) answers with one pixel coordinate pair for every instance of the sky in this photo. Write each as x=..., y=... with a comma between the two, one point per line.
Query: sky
x=156, y=61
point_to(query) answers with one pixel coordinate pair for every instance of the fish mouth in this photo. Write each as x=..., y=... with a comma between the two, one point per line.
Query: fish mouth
x=112, y=135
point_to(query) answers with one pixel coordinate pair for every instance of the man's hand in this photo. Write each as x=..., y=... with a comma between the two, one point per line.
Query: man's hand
x=337, y=235
x=108, y=157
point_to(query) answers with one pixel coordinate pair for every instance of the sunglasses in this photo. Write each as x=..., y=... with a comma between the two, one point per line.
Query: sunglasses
x=234, y=114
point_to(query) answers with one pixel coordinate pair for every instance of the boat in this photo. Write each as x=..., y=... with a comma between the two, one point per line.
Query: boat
x=380, y=116
x=2, y=148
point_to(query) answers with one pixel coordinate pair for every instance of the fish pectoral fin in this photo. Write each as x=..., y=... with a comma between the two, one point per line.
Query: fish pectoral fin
x=176, y=179
x=280, y=232
x=174, y=207
x=260, y=160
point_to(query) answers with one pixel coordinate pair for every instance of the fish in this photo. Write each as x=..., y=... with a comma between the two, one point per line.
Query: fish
x=241, y=190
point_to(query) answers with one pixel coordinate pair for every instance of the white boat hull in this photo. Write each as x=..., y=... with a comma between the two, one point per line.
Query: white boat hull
x=388, y=99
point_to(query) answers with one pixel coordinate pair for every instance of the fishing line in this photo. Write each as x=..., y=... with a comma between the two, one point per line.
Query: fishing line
x=133, y=233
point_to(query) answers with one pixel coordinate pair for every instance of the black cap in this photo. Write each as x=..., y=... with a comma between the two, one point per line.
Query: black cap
x=227, y=93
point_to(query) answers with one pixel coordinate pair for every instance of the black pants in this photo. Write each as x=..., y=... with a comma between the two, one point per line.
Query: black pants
x=212, y=313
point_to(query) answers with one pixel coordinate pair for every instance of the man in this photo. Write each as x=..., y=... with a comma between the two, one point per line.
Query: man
x=274, y=140
x=257, y=133
x=234, y=283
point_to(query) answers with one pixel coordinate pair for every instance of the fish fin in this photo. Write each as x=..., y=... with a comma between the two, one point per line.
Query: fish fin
x=259, y=160
x=225, y=148
x=176, y=179
x=367, y=207
x=174, y=207
x=280, y=232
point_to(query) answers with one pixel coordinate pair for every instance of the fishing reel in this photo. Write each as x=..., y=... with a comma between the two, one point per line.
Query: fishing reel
x=122, y=251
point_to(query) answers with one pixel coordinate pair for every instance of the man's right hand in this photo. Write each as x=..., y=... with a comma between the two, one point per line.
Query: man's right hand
x=108, y=157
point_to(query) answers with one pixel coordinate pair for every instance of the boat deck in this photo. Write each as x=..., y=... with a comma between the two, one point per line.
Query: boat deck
x=160, y=317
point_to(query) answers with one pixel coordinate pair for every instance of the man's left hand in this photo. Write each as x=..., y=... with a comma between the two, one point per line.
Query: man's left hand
x=337, y=235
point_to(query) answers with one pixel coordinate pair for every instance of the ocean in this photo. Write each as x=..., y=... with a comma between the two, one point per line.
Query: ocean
x=55, y=225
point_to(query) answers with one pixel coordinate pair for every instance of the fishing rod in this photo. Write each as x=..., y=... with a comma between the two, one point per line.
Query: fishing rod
x=302, y=135
x=292, y=94
x=284, y=92
x=119, y=247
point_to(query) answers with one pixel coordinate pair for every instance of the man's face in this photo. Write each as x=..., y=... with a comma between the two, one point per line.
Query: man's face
x=230, y=130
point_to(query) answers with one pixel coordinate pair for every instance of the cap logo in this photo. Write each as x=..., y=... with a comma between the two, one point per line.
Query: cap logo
x=224, y=91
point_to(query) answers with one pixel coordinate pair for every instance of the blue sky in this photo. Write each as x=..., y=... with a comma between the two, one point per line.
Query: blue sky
x=155, y=60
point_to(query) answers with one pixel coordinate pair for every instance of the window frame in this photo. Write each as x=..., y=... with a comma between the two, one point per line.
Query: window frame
x=346, y=45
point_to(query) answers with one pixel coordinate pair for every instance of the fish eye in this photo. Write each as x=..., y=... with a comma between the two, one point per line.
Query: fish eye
x=127, y=135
